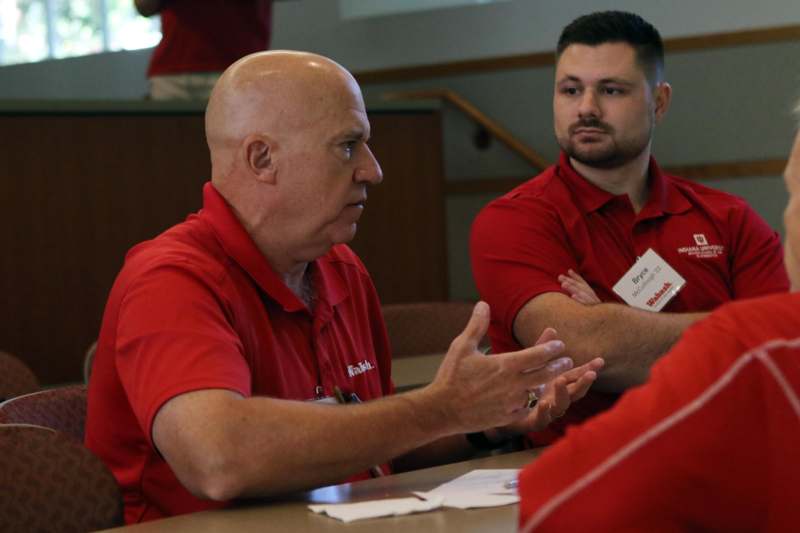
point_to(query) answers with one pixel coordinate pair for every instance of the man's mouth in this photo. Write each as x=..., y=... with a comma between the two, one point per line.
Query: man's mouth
x=359, y=203
x=589, y=131
x=592, y=127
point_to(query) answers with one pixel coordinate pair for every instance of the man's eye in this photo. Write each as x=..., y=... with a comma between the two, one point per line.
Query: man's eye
x=570, y=91
x=613, y=91
x=349, y=147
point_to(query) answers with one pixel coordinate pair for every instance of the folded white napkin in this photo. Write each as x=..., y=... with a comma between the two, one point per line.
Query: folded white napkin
x=348, y=512
x=479, y=488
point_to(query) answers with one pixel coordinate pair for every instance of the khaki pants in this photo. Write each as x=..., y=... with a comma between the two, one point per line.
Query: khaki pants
x=196, y=86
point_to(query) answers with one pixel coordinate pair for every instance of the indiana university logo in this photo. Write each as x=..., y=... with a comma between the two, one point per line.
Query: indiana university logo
x=702, y=249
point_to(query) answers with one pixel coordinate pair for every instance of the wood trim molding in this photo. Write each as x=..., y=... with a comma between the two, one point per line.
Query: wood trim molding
x=734, y=38
x=544, y=59
x=708, y=171
x=456, y=68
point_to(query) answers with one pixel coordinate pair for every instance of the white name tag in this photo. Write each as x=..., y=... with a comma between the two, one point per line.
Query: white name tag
x=650, y=284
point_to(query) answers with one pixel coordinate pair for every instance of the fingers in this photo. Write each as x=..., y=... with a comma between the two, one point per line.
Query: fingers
x=578, y=288
x=579, y=388
x=567, y=388
x=561, y=397
x=534, y=358
x=594, y=365
x=547, y=409
x=549, y=334
x=476, y=328
x=556, y=396
x=574, y=275
x=585, y=299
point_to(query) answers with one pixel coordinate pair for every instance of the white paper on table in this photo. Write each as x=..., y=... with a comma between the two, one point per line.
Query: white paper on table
x=479, y=488
x=348, y=512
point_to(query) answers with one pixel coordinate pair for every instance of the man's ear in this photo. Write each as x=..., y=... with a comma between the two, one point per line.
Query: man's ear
x=663, y=96
x=259, y=152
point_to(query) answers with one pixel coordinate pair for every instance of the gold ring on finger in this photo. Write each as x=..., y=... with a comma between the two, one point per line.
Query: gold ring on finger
x=532, y=400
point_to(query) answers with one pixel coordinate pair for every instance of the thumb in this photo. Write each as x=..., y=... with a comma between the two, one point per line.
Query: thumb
x=477, y=326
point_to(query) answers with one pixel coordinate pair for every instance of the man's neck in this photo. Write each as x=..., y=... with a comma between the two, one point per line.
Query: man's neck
x=295, y=275
x=299, y=282
x=630, y=178
x=294, y=272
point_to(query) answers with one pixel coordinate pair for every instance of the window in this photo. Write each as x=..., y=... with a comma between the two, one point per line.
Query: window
x=32, y=30
x=351, y=9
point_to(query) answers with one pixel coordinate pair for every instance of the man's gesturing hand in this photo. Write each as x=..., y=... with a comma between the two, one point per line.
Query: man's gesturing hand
x=479, y=392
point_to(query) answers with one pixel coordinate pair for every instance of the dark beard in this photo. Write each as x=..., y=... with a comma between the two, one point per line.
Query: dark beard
x=607, y=159
x=612, y=157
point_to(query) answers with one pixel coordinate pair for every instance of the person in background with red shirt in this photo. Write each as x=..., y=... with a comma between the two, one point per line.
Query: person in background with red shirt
x=226, y=338
x=601, y=208
x=709, y=443
x=200, y=39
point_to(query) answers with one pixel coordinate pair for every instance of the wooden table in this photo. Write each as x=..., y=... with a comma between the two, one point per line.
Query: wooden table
x=292, y=514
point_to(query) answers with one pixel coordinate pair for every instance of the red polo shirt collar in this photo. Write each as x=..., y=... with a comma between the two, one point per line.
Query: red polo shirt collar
x=237, y=243
x=665, y=197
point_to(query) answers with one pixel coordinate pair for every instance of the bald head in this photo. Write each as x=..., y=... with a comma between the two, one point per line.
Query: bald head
x=275, y=93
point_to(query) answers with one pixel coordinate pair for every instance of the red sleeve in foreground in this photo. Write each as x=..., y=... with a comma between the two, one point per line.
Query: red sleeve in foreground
x=704, y=445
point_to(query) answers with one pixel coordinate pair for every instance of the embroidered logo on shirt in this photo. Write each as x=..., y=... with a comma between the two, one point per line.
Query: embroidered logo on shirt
x=702, y=249
x=360, y=368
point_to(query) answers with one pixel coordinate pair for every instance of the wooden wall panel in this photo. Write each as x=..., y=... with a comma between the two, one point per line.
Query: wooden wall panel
x=401, y=235
x=77, y=190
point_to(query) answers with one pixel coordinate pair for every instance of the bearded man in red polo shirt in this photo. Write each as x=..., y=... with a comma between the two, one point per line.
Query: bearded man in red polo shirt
x=226, y=338
x=659, y=251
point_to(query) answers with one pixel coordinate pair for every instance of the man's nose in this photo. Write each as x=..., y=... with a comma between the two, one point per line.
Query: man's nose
x=370, y=170
x=589, y=106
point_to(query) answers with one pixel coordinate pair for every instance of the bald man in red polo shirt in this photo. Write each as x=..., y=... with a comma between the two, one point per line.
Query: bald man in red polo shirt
x=642, y=239
x=227, y=339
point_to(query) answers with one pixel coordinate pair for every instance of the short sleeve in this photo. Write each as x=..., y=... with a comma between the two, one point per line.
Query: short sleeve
x=518, y=248
x=758, y=267
x=174, y=337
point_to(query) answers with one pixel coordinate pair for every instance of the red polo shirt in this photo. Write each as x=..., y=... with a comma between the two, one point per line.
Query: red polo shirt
x=708, y=444
x=522, y=241
x=209, y=35
x=199, y=307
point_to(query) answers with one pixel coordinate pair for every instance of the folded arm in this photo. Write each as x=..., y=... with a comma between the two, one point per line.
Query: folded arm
x=628, y=339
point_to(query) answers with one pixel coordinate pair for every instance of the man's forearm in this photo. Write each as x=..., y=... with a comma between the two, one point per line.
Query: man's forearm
x=341, y=441
x=630, y=340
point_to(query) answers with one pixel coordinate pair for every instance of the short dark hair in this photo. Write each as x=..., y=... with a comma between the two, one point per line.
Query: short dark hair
x=614, y=27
